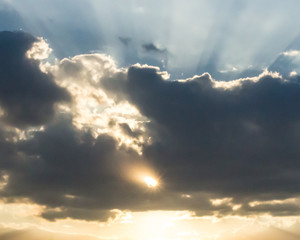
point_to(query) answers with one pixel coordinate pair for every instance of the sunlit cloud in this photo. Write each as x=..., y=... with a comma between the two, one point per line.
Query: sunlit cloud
x=273, y=202
x=291, y=53
x=40, y=50
x=3, y=180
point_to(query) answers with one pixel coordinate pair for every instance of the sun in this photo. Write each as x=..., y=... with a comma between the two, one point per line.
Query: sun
x=150, y=182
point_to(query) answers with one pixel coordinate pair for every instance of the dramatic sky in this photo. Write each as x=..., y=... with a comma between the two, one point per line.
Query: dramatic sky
x=149, y=120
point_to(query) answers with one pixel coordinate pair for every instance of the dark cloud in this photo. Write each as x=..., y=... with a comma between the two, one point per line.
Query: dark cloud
x=67, y=168
x=124, y=40
x=155, y=56
x=240, y=142
x=285, y=209
x=128, y=131
x=76, y=175
x=150, y=47
x=27, y=95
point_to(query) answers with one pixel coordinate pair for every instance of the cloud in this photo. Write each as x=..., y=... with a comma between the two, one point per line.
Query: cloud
x=239, y=141
x=160, y=54
x=215, y=146
x=127, y=130
x=124, y=40
x=27, y=95
x=74, y=174
x=291, y=53
x=150, y=47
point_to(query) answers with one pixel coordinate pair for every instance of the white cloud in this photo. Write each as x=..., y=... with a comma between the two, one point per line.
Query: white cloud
x=40, y=50
x=292, y=53
x=293, y=74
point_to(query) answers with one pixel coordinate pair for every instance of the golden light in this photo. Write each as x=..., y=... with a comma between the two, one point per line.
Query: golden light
x=150, y=182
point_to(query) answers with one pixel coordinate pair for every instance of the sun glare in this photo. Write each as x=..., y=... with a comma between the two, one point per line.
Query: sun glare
x=150, y=182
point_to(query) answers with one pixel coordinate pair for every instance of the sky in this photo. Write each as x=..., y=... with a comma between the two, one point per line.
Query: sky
x=149, y=120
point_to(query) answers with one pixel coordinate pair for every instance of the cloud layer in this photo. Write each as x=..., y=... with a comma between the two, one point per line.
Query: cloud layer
x=216, y=147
